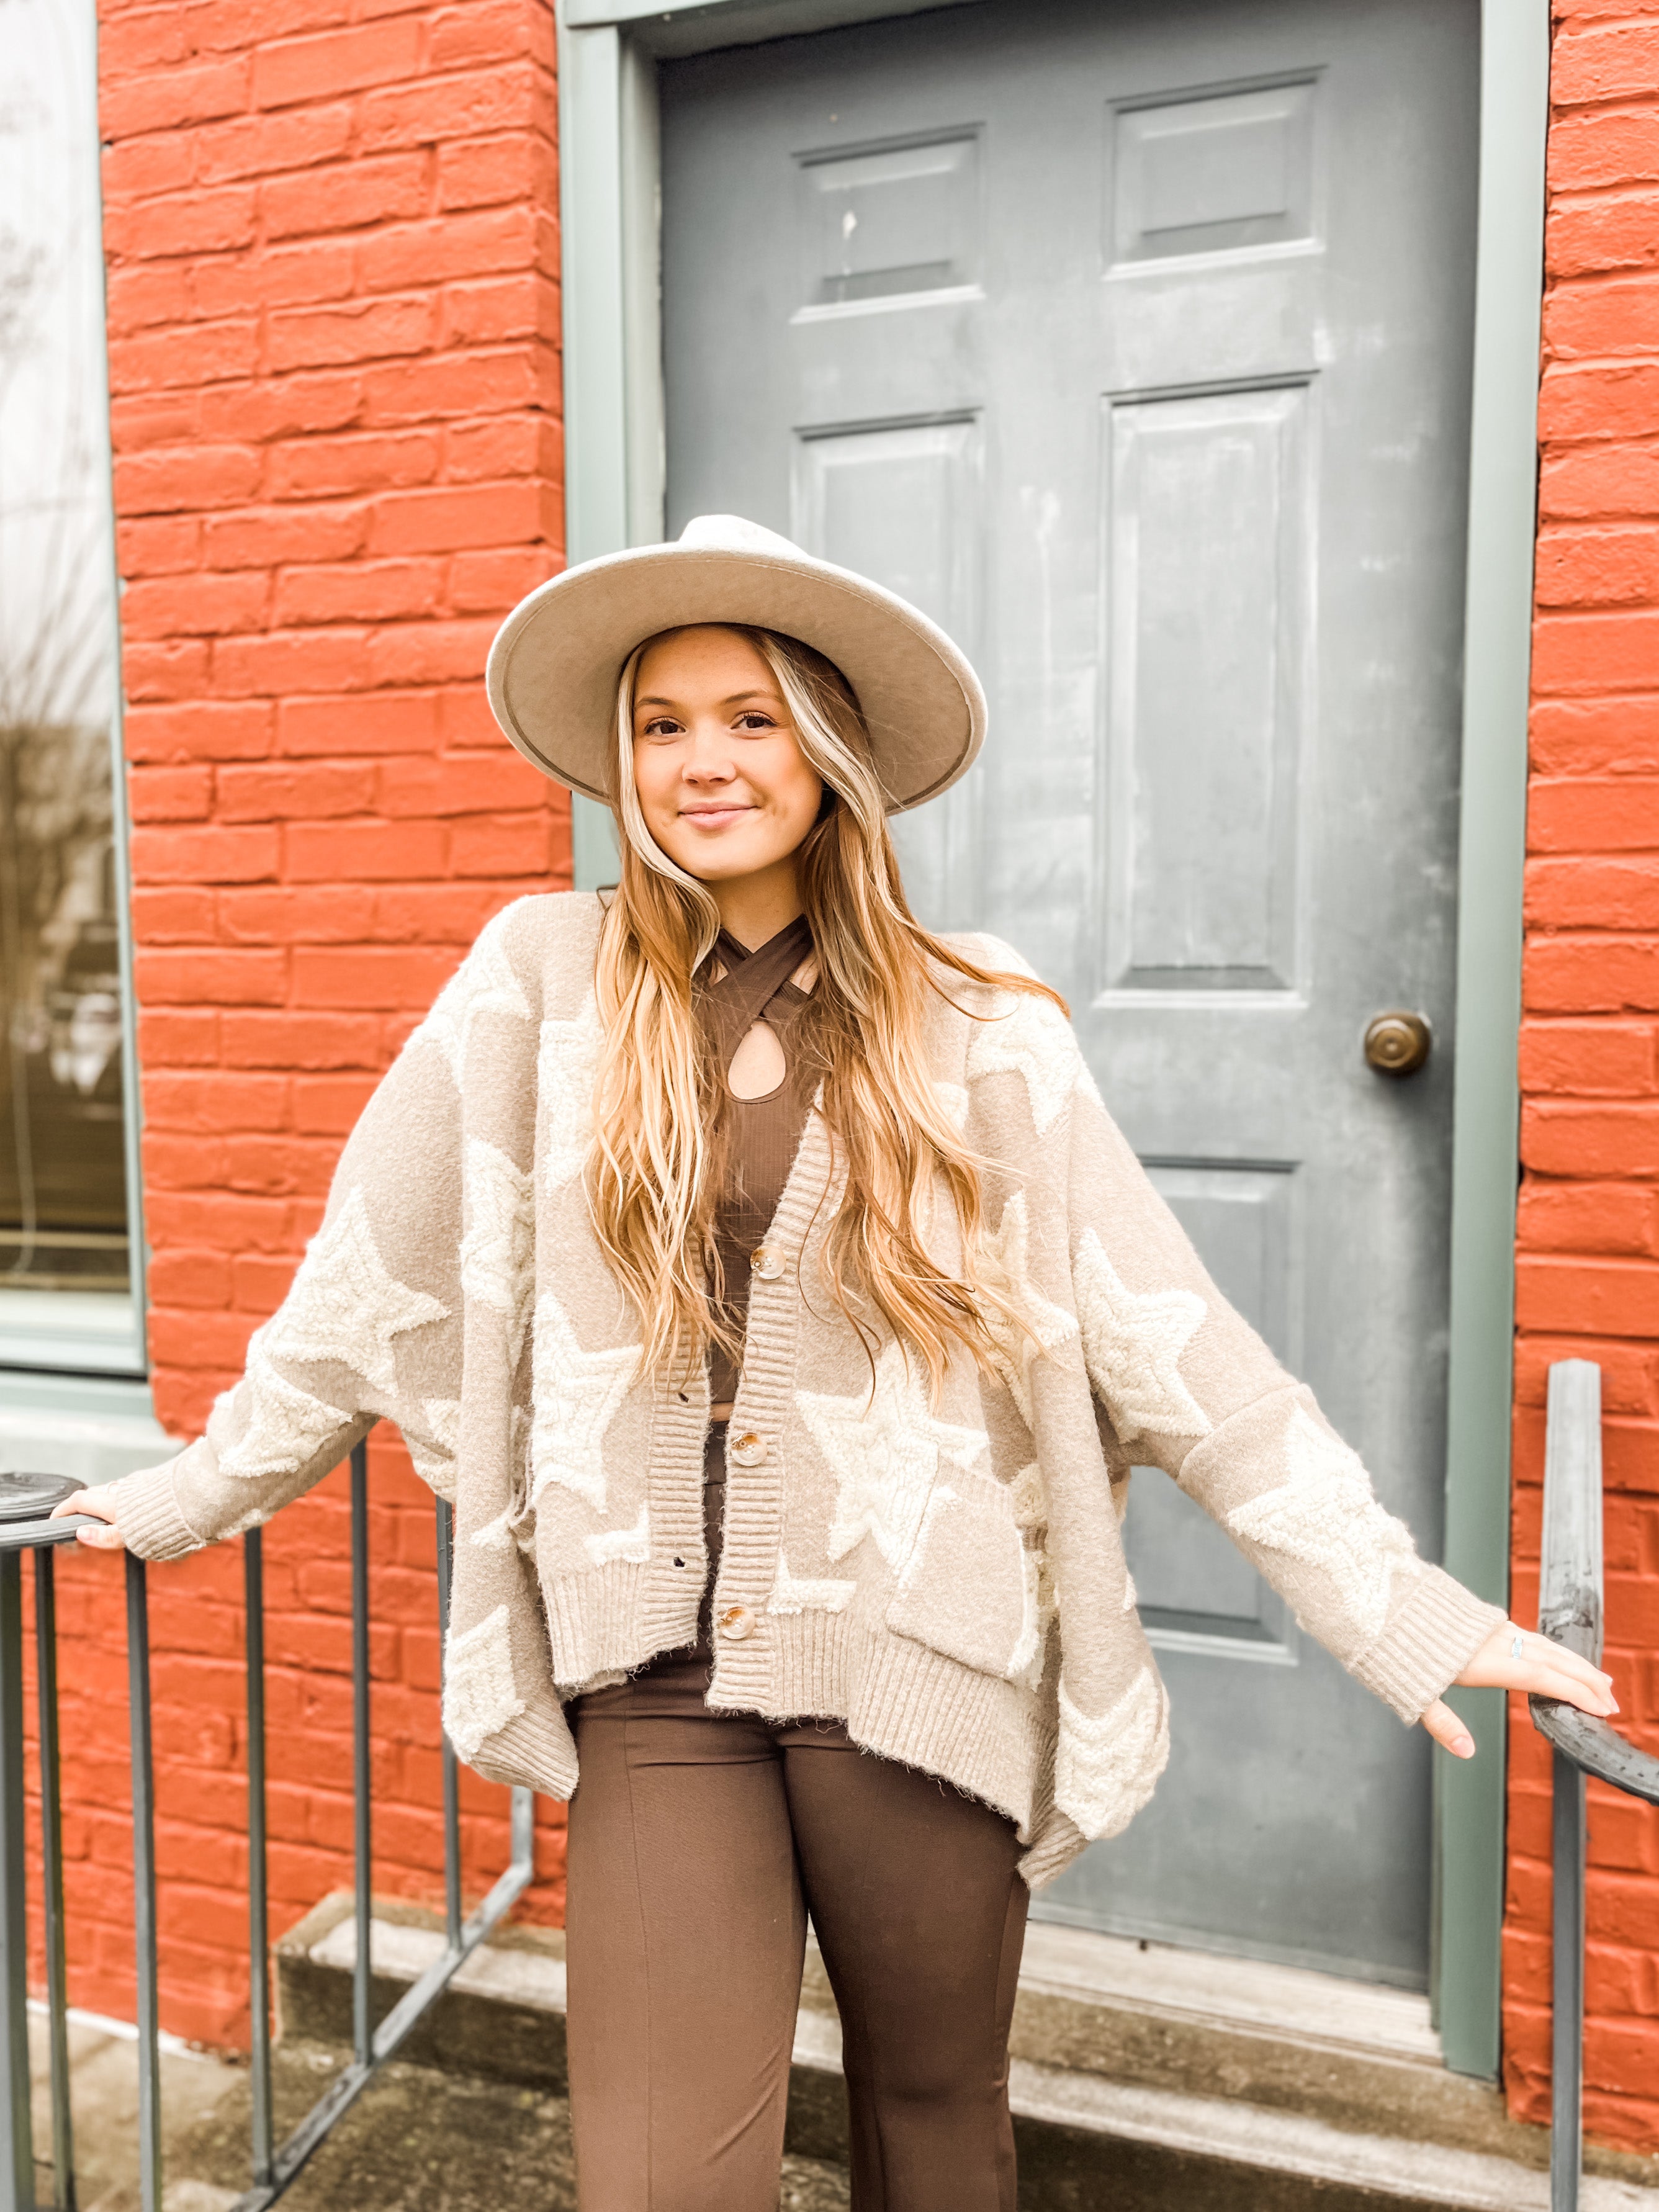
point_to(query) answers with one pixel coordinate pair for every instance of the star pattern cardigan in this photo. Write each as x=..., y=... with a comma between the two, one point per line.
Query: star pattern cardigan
x=945, y=1576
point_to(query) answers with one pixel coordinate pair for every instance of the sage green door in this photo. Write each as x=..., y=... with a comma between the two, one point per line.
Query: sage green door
x=1132, y=343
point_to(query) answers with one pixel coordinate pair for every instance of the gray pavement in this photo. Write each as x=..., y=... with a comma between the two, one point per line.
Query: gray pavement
x=416, y=2140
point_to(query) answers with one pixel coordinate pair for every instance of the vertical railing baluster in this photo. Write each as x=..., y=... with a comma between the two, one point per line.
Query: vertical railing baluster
x=52, y=1872
x=17, y=2133
x=451, y=1776
x=258, y=1918
x=144, y=1888
x=1567, y=2026
x=362, y=2024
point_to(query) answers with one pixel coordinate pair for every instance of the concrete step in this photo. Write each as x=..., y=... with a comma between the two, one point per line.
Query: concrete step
x=1142, y=2075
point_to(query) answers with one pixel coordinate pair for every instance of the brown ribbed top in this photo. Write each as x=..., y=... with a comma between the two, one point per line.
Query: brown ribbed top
x=759, y=1137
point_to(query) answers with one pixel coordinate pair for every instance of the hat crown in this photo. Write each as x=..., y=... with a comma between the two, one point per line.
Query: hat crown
x=731, y=534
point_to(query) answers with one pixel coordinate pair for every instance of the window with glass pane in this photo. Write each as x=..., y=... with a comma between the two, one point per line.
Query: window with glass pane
x=63, y=1223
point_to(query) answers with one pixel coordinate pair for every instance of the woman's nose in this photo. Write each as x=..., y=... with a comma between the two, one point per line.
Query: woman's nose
x=708, y=758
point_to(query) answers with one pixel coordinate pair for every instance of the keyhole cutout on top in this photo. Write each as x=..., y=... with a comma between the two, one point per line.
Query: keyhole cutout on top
x=757, y=1065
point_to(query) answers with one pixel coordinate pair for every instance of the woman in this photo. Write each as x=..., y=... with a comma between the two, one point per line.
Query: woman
x=764, y=1281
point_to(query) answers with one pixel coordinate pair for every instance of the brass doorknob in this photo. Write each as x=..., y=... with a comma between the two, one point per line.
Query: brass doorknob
x=1397, y=1044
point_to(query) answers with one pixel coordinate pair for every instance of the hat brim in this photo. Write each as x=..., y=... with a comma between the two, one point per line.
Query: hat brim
x=556, y=660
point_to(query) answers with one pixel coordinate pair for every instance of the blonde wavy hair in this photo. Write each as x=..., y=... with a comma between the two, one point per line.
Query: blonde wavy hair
x=653, y=1172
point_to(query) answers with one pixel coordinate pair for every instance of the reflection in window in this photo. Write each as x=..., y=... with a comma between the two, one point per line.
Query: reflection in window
x=62, y=1177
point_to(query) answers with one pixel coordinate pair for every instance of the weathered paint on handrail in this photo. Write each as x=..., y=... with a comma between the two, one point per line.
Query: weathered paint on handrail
x=1569, y=1613
x=1596, y=1748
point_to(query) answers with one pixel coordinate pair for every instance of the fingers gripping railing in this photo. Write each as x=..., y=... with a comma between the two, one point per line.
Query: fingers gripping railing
x=274, y=2166
x=1570, y=1612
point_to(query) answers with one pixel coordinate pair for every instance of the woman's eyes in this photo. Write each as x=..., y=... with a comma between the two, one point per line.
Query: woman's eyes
x=753, y=721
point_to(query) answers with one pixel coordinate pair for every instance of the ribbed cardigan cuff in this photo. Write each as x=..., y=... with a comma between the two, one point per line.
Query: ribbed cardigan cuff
x=1432, y=1638
x=147, y=1513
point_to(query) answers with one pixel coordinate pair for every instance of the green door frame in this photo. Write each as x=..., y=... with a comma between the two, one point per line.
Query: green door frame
x=613, y=412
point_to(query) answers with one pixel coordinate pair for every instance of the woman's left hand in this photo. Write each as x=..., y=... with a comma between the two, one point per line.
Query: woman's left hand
x=1514, y=1658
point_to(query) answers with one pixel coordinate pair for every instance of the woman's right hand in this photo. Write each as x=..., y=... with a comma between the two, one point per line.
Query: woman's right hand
x=94, y=1502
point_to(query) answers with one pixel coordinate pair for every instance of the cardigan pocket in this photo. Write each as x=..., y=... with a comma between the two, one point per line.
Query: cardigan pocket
x=969, y=1589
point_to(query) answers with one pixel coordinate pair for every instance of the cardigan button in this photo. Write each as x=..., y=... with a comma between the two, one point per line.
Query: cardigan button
x=750, y=1450
x=767, y=1262
x=737, y=1624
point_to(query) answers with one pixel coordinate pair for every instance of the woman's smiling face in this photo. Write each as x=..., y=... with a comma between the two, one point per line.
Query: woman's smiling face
x=723, y=784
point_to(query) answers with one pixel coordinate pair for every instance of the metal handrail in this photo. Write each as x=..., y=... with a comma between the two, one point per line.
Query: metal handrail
x=274, y=2166
x=1569, y=1613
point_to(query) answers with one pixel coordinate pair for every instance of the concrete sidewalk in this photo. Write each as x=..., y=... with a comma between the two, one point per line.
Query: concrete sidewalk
x=416, y=2140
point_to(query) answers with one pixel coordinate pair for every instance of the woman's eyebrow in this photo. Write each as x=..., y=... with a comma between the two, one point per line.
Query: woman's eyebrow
x=734, y=699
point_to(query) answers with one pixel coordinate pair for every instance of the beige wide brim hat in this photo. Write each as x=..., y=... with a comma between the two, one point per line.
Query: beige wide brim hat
x=556, y=660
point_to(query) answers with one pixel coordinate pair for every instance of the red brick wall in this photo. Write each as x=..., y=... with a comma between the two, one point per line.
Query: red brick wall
x=1588, y=1258
x=333, y=301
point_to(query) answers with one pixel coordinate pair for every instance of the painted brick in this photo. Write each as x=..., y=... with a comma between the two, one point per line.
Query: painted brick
x=1587, y=568
x=391, y=721
x=170, y=794
x=387, y=52
x=266, y=538
x=376, y=591
x=357, y=330
x=212, y=976
x=312, y=467
x=426, y=521
x=1588, y=1229
x=1586, y=892
x=191, y=479
x=199, y=222
x=199, y=729
x=297, y=353
x=212, y=854
x=1588, y=1059
x=259, y=145
x=200, y=605
x=364, y=852
x=281, y=276
x=1593, y=815
x=344, y=195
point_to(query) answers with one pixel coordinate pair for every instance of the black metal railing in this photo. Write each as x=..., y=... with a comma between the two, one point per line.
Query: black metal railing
x=1570, y=1612
x=274, y=2165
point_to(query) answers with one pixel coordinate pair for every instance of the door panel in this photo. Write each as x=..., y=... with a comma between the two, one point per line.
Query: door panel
x=1131, y=343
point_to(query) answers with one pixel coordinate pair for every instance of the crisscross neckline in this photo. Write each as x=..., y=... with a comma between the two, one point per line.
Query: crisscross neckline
x=756, y=986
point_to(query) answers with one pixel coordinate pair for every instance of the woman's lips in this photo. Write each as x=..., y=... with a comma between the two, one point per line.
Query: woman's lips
x=714, y=818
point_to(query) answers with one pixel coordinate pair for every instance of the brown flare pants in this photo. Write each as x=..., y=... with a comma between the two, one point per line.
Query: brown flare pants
x=699, y=1841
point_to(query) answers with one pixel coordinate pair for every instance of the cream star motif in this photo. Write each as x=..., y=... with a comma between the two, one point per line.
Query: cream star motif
x=1132, y=1343
x=483, y=984
x=954, y=1098
x=1005, y=1268
x=1325, y=1514
x=801, y=1594
x=576, y=1396
x=566, y=1068
x=1105, y=1768
x=498, y=1253
x=344, y=1305
x=633, y=1544
x=495, y=1535
x=285, y=1425
x=884, y=1448
x=1033, y=1039
x=481, y=1694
